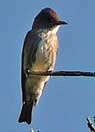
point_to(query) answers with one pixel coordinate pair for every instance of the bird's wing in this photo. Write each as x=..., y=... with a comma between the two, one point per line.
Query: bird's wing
x=28, y=57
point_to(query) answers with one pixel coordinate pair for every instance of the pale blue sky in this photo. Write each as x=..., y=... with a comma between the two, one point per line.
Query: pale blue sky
x=67, y=101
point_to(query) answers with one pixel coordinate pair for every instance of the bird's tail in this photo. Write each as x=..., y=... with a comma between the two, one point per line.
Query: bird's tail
x=26, y=113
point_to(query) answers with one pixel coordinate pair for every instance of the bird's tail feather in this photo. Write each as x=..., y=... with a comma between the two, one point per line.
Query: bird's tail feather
x=26, y=113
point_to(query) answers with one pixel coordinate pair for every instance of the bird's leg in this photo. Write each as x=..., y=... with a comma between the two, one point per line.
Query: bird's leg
x=27, y=72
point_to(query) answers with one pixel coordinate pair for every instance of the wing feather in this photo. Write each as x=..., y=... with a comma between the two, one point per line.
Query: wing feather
x=28, y=57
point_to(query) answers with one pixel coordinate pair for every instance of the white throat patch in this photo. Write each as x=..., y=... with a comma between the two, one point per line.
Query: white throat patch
x=55, y=29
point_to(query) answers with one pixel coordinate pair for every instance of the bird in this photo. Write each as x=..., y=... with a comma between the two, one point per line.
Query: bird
x=38, y=54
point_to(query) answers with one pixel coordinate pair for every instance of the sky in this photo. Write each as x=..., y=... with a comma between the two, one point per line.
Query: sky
x=66, y=101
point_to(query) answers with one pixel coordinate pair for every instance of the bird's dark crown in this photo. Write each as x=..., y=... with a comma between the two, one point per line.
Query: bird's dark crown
x=50, y=13
x=47, y=18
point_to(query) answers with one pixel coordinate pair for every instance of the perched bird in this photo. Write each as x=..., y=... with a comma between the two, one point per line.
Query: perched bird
x=39, y=54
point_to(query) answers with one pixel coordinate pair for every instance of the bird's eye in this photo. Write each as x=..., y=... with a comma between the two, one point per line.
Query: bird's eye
x=49, y=19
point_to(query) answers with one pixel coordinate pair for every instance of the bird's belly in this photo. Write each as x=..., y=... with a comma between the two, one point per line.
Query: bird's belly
x=44, y=59
x=40, y=64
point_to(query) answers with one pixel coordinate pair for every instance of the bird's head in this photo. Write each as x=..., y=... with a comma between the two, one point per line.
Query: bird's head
x=48, y=19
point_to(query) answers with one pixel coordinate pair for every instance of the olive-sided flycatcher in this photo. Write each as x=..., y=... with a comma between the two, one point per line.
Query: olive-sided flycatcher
x=39, y=54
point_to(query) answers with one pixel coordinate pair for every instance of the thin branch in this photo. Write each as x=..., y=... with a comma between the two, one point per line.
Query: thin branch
x=61, y=73
x=33, y=130
x=94, y=118
x=90, y=125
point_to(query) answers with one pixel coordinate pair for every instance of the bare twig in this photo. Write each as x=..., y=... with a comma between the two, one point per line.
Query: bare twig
x=90, y=125
x=94, y=118
x=33, y=130
x=61, y=73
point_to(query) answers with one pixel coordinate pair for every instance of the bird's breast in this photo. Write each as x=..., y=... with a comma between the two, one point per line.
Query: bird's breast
x=46, y=53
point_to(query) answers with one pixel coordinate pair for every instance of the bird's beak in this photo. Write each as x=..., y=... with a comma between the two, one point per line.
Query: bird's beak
x=61, y=23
